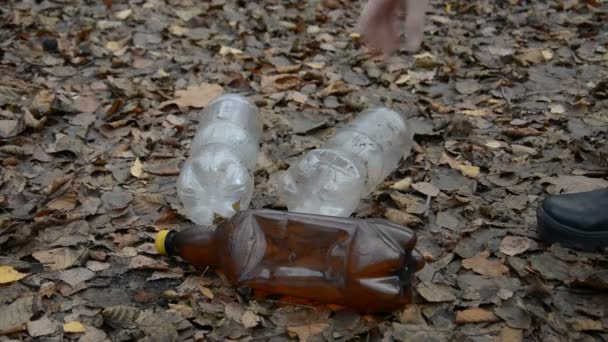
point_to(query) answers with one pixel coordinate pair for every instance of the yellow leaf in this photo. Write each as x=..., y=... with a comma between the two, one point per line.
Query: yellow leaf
x=403, y=184
x=74, y=327
x=469, y=171
x=137, y=170
x=466, y=170
x=9, y=274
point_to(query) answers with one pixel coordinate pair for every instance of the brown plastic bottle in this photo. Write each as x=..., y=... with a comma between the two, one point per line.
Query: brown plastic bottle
x=364, y=264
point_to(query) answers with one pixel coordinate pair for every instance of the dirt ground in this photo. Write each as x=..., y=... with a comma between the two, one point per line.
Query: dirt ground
x=98, y=107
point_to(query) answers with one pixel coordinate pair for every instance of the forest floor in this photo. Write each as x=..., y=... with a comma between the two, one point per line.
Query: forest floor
x=98, y=107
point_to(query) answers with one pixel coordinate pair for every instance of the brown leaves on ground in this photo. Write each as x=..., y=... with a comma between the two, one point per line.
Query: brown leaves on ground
x=96, y=121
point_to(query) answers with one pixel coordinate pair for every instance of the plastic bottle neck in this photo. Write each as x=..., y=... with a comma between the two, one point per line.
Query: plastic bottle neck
x=196, y=245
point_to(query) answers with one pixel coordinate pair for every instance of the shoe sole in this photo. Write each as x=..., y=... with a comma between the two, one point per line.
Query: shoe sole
x=552, y=231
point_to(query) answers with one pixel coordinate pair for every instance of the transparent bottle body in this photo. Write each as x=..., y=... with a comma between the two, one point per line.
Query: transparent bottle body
x=333, y=179
x=217, y=177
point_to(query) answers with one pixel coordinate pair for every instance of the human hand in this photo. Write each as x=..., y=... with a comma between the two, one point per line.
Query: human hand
x=378, y=24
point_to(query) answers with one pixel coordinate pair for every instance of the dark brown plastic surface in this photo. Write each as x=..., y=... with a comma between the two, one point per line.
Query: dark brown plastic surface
x=366, y=265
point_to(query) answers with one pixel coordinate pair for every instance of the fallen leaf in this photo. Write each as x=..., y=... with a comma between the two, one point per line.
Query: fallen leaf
x=9, y=274
x=124, y=14
x=484, y=266
x=304, y=332
x=198, y=96
x=508, y=334
x=426, y=188
x=401, y=217
x=207, y=292
x=59, y=258
x=17, y=312
x=42, y=327
x=74, y=327
x=76, y=276
x=144, y=262
x=250, y=319
x=403, y=184
x=226, y=50
x=514, y=245
x=275, y=83
x=68, y=201
x=137, y=169
x=476, y=315
x=585, y=324
x=436, y=293
x=476, y=112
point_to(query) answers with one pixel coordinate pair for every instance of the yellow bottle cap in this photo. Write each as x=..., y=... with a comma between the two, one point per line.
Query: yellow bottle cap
x=159, y=243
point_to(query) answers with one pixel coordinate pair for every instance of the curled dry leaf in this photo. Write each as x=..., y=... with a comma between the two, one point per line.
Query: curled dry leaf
x=121, y=316
x=514, y=245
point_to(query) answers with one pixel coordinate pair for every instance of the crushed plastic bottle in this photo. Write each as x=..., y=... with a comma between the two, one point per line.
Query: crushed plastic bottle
x=364, y=264
x=332, y=180
x=217, y=178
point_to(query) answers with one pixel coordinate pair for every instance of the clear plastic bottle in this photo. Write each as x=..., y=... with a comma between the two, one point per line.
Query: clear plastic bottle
x=217, y=178
x=332, y=180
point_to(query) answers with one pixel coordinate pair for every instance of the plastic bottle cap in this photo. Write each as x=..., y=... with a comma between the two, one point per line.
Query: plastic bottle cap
x=159, y=243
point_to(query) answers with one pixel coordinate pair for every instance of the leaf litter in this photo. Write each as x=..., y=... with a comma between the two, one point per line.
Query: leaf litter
x=98, y=105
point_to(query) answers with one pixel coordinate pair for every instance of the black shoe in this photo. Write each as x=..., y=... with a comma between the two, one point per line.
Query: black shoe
x=577, y=220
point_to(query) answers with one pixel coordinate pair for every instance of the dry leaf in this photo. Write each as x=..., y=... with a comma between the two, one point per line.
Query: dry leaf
x=76, y=276
x=476, y=315
x=9, y=274
x=59, y=258
x=426, y=188
x=514, y=245
x=42, y=327
x=124, y=14
x=74, y=327
x=250, y=319
x=207, y=292
x=68, y=201
x=436, y=293
x=198, y=96
x=476, y=112
x=304, y=332
x=484, y=266
x=137, y=169
x=508, y=334
x=403, y=184
x=17, y=312
x=466, y=170
x=401, y=217
x=226, y=50
x=275, y=83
